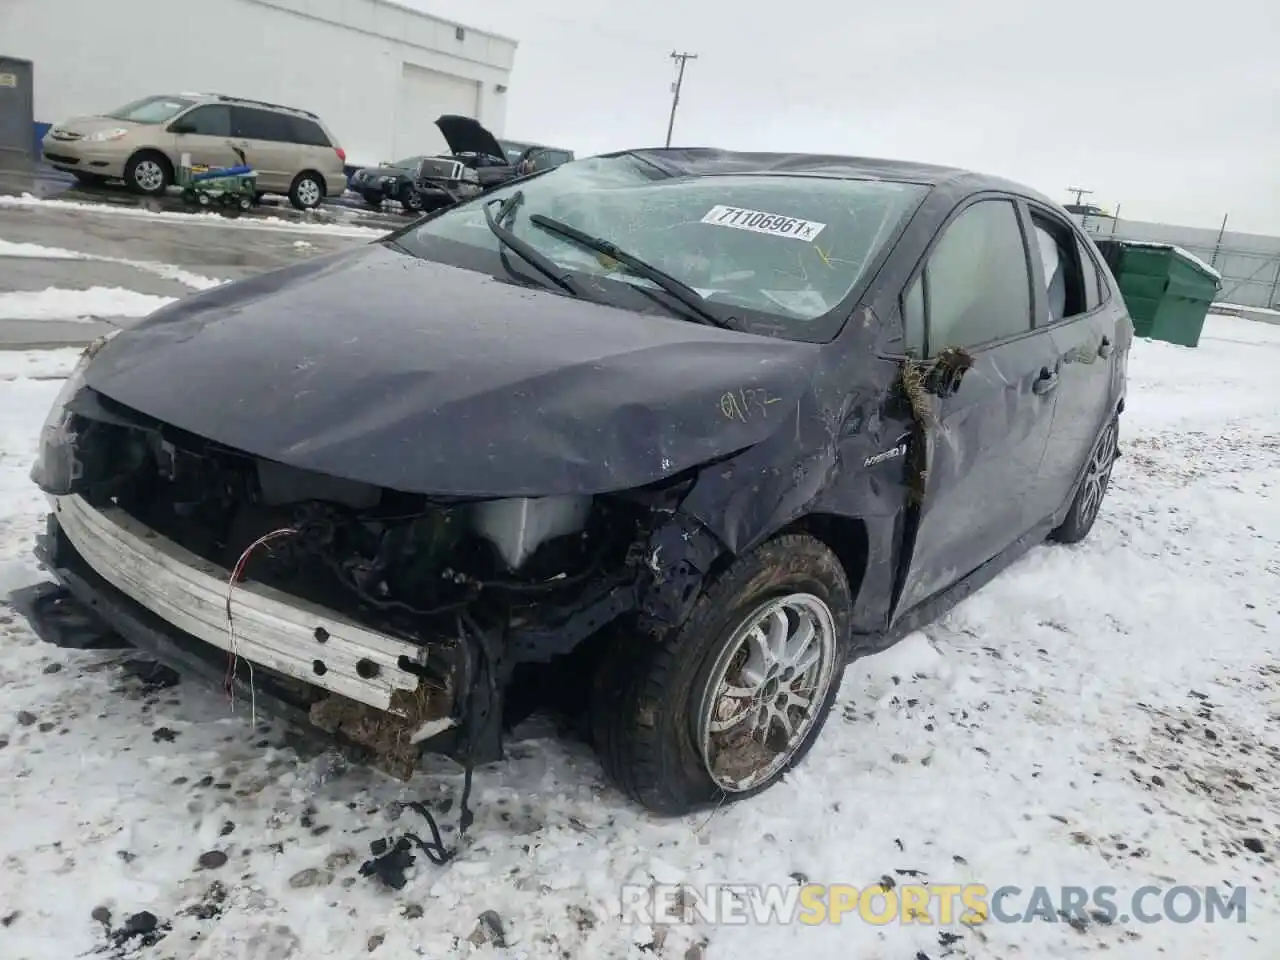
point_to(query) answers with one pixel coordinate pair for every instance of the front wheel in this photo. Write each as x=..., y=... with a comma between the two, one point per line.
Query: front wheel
x=411, y=200
x=307, y=191
x=726, y=704
x=1097, y=478
x=148, y=173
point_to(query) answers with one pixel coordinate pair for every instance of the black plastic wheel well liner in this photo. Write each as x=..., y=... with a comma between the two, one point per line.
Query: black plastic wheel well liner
x=846, y=537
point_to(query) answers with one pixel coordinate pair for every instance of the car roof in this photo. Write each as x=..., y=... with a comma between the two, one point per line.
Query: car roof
x=709, y=161
x=204, y=98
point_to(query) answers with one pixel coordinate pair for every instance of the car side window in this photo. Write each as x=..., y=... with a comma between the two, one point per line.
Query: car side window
x=307, y=132
x=1064, y=281
x=977, y=287
x=261, y=125
x=1093, y=289
x=208, y=121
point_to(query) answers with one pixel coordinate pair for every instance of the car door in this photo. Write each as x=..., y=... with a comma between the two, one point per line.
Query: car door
x=204, y=132
x=1071, y=309
x=265, y=137
x=983, y=442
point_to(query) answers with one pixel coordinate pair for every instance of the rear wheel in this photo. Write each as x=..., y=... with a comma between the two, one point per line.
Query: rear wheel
x=730, y=701
x=307, y=191
x=148, y=173
x=1097, y=478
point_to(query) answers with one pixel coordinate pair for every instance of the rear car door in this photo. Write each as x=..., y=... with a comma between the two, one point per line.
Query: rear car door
x=204, y=132
x=983, y=442
x=1083, y=325
x=266, y=139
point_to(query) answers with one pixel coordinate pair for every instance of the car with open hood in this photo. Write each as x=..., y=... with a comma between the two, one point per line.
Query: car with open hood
x=669, y=435
x=427, y=182
x=496, y=161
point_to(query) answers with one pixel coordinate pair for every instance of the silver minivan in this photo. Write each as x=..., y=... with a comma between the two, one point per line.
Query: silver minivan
x=142, y=143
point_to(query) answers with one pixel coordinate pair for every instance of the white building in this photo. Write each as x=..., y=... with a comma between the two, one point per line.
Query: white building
x=378, y=73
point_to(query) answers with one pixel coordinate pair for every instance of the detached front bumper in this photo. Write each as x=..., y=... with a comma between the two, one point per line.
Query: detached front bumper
x=117, y=565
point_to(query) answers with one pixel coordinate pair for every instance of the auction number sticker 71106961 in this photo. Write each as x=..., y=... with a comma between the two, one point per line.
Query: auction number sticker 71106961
x=758, y=221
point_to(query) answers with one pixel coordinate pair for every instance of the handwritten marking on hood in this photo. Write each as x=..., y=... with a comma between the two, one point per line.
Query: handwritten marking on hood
x=747, y=402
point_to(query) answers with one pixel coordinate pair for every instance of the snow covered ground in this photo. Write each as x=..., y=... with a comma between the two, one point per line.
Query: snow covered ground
x=208, y=219
x=34, y=251
x=1103, y=714
x=54, y=303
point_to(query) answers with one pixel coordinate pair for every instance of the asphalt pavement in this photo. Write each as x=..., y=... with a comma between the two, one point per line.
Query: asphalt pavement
x=162, y=257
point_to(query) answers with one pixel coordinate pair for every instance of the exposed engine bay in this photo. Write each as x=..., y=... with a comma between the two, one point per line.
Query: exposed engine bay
x=477, y=585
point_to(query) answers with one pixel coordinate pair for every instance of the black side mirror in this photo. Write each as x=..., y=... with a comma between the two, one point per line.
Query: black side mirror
x=181, y=127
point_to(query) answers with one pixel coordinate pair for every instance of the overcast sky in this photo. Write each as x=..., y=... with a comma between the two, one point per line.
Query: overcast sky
x=1169, y=109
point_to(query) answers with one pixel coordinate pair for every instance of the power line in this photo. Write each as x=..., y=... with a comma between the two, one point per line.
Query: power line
x=682, y=59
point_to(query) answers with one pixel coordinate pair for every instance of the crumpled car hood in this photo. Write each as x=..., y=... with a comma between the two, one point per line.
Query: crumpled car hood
x=376, y=366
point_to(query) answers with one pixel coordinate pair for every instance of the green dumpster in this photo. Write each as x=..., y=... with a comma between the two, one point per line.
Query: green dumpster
x=1166, y=289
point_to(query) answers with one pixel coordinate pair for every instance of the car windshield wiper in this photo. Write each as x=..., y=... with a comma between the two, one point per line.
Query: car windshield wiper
x=685, y=294
x=541, y=262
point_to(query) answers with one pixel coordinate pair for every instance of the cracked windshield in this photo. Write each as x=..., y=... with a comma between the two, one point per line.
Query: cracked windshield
x=780, y=251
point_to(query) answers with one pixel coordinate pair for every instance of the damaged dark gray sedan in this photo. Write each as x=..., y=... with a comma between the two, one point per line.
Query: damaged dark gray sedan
x=671, y=435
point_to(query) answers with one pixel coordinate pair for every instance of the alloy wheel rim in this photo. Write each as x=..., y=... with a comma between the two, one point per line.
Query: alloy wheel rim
x=1098, y=474
x=309, y=192
x=765, y=691
x=148, y=175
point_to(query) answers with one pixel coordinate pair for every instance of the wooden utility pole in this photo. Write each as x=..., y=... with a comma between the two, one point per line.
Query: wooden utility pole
x=682, y=59
x=1079, y=192
x=1217, y=247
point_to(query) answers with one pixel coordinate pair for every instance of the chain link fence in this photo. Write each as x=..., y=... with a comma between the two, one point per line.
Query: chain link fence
x=1249, y=262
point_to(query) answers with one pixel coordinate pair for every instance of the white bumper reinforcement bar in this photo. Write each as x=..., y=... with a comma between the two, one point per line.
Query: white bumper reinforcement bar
x=272, y=628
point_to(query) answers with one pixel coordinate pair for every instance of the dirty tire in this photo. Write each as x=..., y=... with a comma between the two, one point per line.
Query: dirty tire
x=646, y=692
x=307, y=190
x=148, y=172
x=1085, y=508
x=411, y=200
